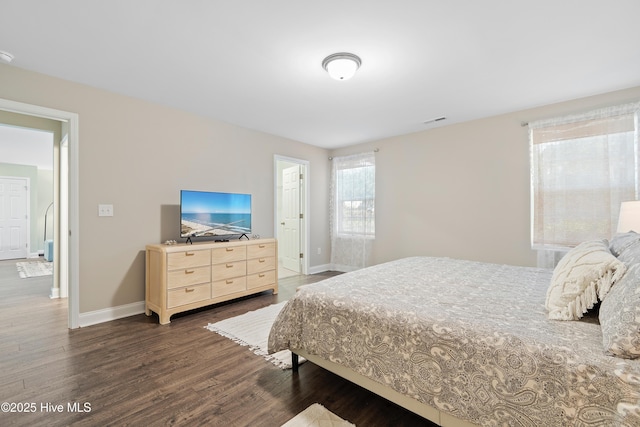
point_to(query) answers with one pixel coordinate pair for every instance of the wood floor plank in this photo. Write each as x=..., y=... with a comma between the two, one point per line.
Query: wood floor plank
x=134, y=371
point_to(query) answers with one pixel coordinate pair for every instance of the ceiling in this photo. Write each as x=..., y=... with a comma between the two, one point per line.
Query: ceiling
x=257, y=64
x=22, y=146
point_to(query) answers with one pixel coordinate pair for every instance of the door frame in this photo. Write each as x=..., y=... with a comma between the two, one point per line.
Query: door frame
x=306, y=227
x=288, y=179
x=72, y=235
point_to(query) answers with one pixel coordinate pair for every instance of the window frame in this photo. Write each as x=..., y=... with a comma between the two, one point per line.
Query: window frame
x=364, y=197
x=584, y=129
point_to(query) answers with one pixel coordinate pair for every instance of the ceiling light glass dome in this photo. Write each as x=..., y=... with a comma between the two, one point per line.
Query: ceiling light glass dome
x=341, y=66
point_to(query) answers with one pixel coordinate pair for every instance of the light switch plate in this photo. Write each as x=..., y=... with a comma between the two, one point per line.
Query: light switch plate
x=105, y=210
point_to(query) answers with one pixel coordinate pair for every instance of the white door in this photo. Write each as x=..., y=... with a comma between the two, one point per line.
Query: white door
x=290, y=237
x=13, y=218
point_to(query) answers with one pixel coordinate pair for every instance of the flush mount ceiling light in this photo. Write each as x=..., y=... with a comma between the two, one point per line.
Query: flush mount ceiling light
x=5, y=56
x=341, y=66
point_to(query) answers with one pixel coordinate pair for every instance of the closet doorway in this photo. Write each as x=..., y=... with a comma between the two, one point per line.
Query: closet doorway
x=291, y=215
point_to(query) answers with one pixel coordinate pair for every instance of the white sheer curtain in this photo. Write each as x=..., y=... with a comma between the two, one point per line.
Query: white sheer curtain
x=582, y=167
x=352, y=211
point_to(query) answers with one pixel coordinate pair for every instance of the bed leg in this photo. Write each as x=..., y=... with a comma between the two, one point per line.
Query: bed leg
x=294, y=362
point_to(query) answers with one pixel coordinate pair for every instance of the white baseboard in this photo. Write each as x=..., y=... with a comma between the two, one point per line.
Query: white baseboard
x=343, y=268
x=331, y=267
x=111, y=313
x=319, y=269
x=55, y=293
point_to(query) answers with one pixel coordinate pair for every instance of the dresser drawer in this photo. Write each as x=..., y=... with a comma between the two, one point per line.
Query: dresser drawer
x=187, y=295
x=182, y=277
x=176, y=260
x=261, y=279
x=228, y=270
x=261, y=250
x=228, y=286
x=188, y=276
x=259, y=265
x=229, y=254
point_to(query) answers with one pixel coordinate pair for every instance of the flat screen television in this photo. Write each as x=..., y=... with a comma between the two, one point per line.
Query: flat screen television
x=218, y=216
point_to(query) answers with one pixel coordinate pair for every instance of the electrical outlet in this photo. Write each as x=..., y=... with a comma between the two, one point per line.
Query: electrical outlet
x=319, y=251
x=105, y=210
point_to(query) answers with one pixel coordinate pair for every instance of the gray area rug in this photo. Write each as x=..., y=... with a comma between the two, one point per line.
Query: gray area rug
x=252, y=330
x=28, y=269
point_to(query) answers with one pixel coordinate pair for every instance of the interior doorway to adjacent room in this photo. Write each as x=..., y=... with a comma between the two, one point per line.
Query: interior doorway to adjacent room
x=291, y=215
x=64, y=208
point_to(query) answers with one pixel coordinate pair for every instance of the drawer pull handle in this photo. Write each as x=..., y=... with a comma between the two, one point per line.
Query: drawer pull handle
x=261, y=246
x=189, y=253
x=189, y=271
x=189, y=290
x=229, y=282
x=229, y=249
x=261, y=275
x=229, y=265
x=261, y=260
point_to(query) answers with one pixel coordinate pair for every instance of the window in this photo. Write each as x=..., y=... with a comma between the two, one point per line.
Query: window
x=582, y=168
x=352, y=210
x=355, y=196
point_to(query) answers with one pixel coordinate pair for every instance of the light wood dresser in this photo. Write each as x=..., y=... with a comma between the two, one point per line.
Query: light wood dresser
x=183, y=277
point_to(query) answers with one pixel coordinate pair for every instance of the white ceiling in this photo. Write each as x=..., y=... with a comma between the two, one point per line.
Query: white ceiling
x=257, y=63
x=22, y=146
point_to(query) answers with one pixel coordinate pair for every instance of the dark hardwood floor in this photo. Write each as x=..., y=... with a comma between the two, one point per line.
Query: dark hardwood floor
x=136, y=372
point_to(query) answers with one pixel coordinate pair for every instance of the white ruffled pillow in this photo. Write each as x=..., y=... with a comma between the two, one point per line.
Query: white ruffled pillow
x=582, y=278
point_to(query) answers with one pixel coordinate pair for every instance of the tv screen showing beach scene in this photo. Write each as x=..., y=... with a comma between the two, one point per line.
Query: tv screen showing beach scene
x=213, y=214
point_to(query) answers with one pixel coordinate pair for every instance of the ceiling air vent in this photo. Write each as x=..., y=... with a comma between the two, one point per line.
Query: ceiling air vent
x=434, y=120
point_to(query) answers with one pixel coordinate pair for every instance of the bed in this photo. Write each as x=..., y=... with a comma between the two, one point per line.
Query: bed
x=469, y=343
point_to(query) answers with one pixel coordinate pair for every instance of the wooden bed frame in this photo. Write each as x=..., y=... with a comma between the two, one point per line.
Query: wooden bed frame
x=422, y=409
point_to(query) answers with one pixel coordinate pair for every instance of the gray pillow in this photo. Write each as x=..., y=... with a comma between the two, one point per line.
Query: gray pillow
x=622, y=241
x=630, y=254
x=620, y=316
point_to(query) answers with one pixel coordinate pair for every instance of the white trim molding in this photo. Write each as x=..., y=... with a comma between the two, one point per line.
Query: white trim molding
x=73, y=262
x=305, y=244
x=55, y=293
x=112, y=313
x=320, y=268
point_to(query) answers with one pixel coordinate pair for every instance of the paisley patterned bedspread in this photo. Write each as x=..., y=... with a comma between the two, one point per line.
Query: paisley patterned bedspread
x=470, y=339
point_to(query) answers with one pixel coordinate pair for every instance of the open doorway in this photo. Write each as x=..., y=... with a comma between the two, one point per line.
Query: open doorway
x=291, y=215
x=64, y=209
x=26, y=197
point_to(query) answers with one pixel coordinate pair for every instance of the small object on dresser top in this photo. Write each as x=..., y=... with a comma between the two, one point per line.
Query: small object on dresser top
x=170, y=242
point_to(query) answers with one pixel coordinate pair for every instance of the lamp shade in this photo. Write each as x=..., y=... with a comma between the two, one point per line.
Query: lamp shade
x=341, y=66
x=629, y=219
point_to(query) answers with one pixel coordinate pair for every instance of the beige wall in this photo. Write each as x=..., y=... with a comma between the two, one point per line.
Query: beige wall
x=462, y=190
x=137, y=156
